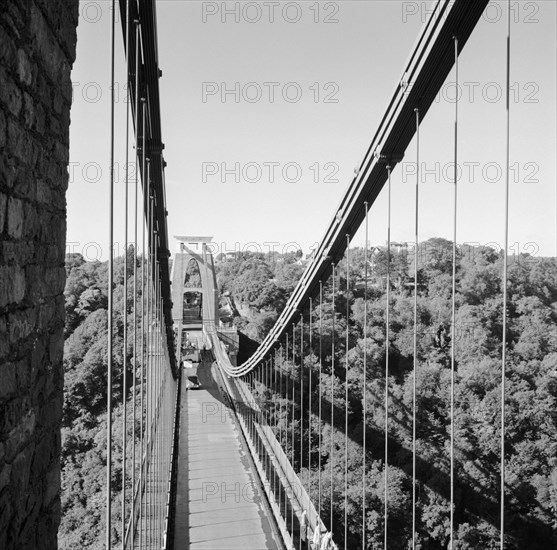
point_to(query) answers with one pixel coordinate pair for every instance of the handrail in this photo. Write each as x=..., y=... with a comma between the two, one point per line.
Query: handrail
x=293, y=487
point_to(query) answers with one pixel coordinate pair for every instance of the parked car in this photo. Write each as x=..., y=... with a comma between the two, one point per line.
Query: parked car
x=193, y=383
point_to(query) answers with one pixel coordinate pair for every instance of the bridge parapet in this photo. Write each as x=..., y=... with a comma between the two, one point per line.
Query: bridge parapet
x=37, y=51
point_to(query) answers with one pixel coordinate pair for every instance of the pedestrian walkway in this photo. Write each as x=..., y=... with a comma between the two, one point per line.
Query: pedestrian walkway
x=219, y=504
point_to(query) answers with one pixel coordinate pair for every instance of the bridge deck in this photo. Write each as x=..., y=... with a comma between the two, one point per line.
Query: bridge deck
x=219, y=503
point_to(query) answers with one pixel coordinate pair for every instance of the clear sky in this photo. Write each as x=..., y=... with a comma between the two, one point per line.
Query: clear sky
x=296, y=90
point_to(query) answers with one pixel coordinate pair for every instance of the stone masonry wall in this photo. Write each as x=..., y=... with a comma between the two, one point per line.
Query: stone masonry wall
x=37, y=50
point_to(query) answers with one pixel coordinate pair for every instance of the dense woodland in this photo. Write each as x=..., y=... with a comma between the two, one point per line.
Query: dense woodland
x=259, y=286
x=531, y=392
x=85, y=398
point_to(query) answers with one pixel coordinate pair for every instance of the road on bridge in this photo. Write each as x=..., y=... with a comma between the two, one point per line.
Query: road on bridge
x=219, y=501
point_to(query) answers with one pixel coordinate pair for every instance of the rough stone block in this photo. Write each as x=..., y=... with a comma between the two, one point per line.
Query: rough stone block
x=19, y=142
x=6, y=285
x=25, y=184
x=31, y=227
x=53, y=228
x=12, y=284
x=21, y=324
x=24, y=68
x=58, y=175
x=8, y=170
x=44, y=193
x=8, y=377
x=15, y=218
x=10, y=94
x=35, y=290
x=7, y=49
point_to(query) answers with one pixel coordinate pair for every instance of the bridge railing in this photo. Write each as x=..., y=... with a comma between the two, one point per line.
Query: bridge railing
x=150, y=376
x=285, y=491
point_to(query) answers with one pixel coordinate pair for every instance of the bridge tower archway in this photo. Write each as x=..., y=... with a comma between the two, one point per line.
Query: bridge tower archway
x=194, y=299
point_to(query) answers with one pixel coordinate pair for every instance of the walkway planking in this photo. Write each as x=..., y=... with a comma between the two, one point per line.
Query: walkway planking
x=219, y=504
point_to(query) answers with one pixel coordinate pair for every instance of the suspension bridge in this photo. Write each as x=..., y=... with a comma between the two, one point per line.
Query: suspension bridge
x=215, y=468
x=224, y=439
x=209, y=452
